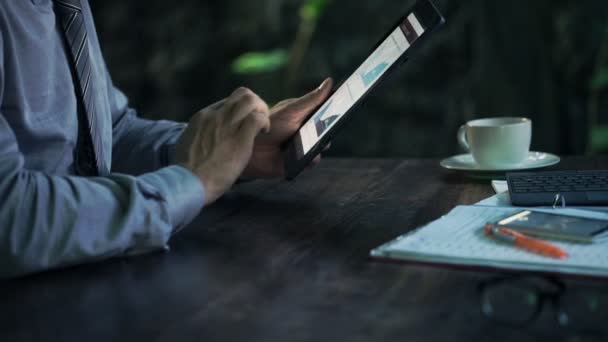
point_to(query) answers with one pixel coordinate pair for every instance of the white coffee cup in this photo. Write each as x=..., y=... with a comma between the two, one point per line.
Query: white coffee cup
x=497, y=142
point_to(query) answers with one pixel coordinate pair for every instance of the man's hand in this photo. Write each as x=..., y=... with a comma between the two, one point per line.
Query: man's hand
x=286, y=118
x=218, y=142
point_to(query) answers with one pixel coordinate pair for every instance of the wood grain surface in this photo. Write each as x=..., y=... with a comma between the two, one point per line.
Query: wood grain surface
x=284, y=261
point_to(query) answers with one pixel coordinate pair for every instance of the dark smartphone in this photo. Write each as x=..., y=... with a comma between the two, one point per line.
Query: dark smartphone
x=555, y=226
x=390, y=52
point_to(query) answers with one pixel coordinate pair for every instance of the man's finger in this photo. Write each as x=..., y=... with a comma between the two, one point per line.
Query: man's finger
x=243, y=102
x=303, y=106
x=279, y=106
x=314, y=162
x=213, y=107
x=255, y=122
x=217, y=105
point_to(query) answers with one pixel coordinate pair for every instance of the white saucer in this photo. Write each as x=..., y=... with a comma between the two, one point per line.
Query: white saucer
x=465, y=162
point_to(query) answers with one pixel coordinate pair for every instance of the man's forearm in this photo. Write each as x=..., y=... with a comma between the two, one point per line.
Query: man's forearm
x=49, y=222
x=142, y=145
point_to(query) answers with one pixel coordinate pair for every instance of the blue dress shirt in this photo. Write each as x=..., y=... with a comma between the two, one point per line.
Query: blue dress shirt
x=49, y=216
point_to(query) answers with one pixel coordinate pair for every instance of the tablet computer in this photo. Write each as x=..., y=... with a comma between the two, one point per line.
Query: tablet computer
x=391, y=51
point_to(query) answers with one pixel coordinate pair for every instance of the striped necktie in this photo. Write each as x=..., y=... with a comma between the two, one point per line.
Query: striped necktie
x=89, y=158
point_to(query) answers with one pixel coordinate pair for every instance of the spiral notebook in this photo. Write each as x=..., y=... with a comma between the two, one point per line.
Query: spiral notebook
x=458, y=239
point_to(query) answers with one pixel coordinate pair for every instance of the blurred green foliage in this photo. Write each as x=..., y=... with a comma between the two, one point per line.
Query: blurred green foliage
x=312, y=9
x=259, y=62
x=599, y=139
x=600, y=81
x=598, y=132
x=548, y=67
x=269, y=61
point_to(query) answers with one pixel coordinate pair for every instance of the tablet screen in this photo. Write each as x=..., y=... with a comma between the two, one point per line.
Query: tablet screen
x=357, y=85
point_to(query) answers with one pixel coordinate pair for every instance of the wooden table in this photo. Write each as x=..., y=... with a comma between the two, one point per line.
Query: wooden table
x=278, y=261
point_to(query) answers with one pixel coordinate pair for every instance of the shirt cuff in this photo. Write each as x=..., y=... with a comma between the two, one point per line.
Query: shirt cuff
x=182, y=192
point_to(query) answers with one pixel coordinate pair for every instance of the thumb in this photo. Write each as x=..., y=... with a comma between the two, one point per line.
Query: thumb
x=304, y=105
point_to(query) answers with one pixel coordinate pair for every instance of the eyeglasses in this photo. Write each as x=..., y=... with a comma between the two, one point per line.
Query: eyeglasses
x=518, y=301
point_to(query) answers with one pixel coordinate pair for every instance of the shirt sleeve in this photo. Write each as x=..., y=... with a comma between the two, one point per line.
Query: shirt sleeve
x=139, y=145
x=53, y=221
x=142, y=146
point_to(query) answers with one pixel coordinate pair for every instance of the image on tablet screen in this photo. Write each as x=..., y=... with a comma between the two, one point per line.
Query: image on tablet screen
x=387, y=53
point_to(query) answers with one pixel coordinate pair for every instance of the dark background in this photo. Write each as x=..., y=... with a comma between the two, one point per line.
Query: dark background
x=545, y=59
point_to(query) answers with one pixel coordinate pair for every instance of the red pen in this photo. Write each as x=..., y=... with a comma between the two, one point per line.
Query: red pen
x=528, y=243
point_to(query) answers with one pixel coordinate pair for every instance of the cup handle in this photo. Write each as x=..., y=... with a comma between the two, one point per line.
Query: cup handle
x=462, y=138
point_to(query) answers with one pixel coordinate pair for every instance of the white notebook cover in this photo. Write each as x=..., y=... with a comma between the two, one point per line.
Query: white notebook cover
x=458, y=239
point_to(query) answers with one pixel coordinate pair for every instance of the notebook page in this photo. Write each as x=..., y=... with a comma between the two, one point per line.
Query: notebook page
x=458, y=238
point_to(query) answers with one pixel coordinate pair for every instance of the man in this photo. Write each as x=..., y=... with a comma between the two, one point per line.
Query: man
x=82, y=177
